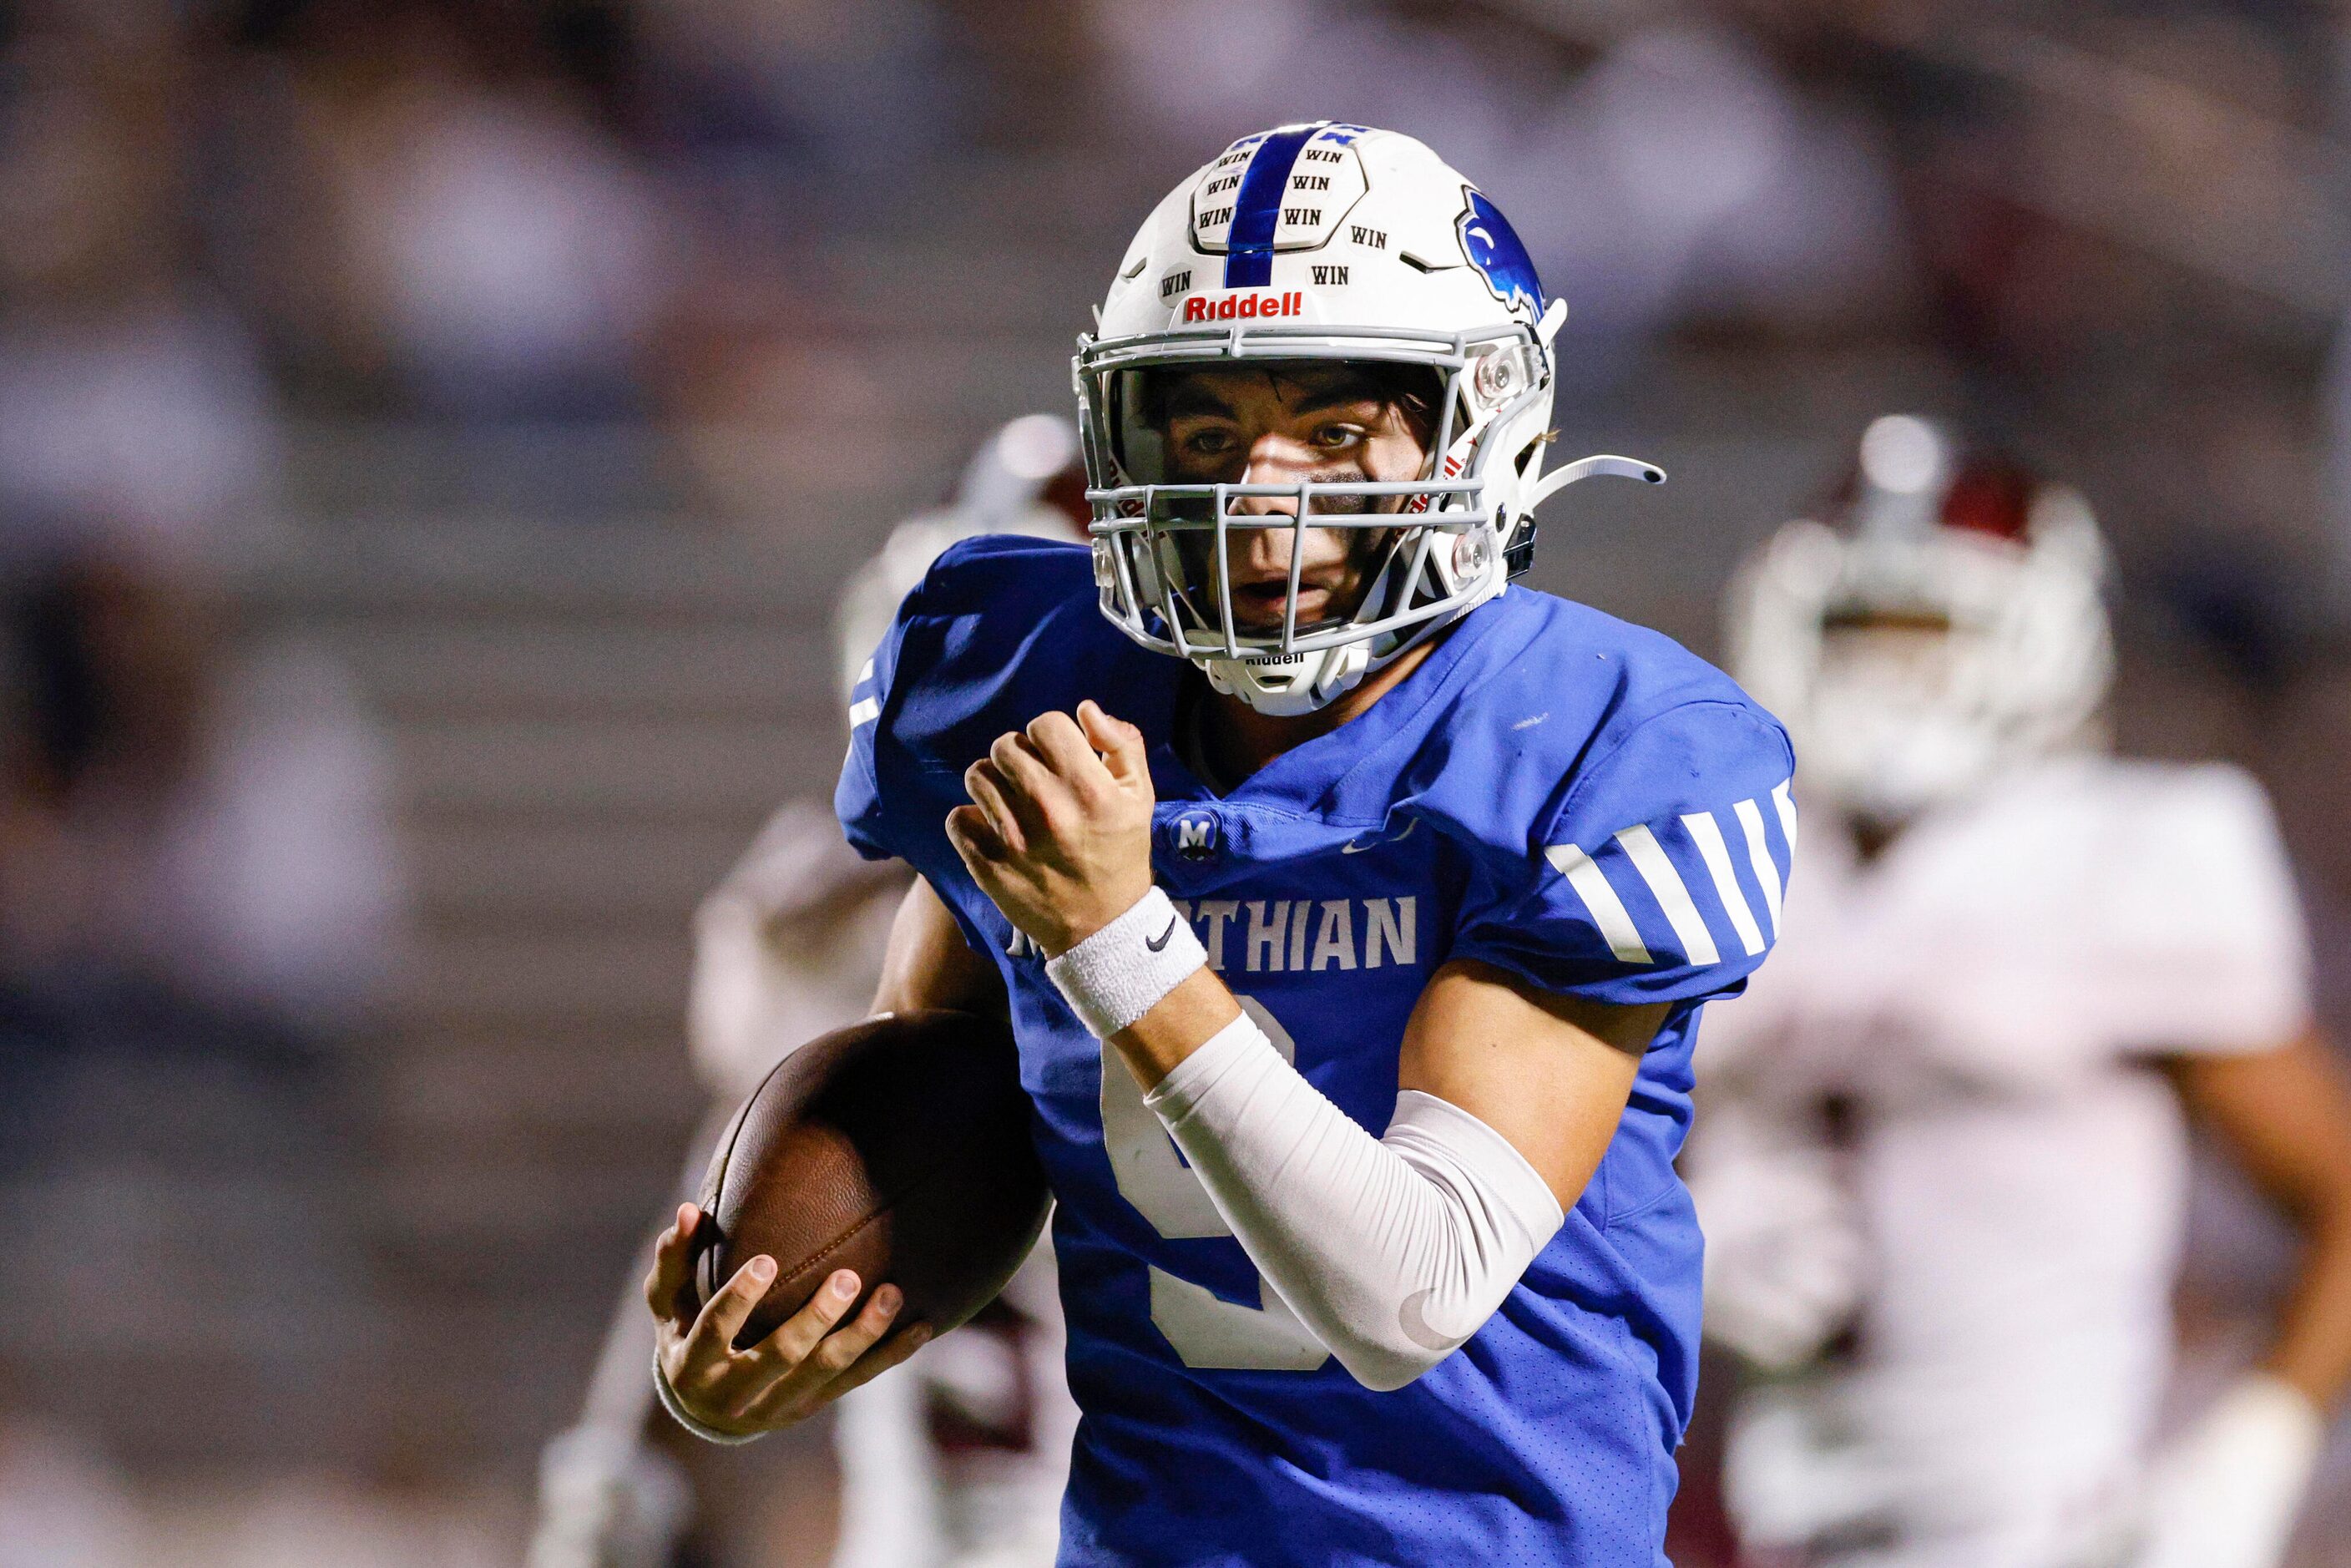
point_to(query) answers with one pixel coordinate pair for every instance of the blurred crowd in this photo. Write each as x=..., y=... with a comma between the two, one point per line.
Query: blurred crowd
x=2093, y=219
x=788, y=248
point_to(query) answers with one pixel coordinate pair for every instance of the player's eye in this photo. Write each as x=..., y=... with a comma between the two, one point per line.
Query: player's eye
x=1208, y=441
x=1336, y=437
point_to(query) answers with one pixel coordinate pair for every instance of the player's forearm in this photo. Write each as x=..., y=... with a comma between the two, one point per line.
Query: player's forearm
x=2285, y=1115
x=1181, y=1022
x=1362, y=1247
x=2312, y=1351
x=1393, y=1250
x=929, y=964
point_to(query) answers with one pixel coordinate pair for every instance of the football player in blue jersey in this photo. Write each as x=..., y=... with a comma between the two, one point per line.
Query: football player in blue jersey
x=1353, y=908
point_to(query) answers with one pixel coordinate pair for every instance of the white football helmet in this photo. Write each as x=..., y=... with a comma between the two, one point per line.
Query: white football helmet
x=2006, y=568
x=1322, y=242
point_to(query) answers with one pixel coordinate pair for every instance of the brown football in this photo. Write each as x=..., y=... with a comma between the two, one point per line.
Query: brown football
x=898, y=1148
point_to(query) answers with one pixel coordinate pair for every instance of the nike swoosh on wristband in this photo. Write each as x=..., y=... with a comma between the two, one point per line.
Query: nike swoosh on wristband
x=1164, y=937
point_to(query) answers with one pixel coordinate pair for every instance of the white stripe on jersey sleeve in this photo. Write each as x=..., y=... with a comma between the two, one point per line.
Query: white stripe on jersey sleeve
x=1590, y=885
x=1707, y=833
x=1759, y=855
x=1787, y=809
x=865, y=710
x=1657, y=869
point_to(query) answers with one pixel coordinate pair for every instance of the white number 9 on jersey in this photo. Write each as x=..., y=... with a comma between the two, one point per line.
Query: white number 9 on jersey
x=1205, y=1330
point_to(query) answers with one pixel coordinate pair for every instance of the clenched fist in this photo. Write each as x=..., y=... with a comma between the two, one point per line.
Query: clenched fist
x=1058, y=830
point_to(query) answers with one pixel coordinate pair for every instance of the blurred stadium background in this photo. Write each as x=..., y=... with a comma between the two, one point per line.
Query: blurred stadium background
x=433, y=433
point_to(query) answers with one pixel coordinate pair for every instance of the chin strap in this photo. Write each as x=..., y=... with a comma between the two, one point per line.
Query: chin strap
x=1603, y=466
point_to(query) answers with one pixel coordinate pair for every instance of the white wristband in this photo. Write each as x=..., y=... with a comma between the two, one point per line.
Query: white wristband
x=2226, y=1492
x=1119, y=972
x=677, y=1413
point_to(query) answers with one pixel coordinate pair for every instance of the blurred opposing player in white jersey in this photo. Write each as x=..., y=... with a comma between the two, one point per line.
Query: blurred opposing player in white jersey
x=956, y=1460
x=1943, y=1162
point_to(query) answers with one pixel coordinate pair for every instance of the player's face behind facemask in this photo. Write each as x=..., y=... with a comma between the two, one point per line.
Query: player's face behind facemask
x=1894, y=659
x=1892, y=718
x=1283, y=425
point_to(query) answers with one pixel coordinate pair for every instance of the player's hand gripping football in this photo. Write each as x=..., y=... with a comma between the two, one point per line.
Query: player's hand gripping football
x=1058, y=830
x=808, y=1362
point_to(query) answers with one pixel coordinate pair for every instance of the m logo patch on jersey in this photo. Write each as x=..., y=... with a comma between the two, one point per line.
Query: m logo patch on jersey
x=1195, y=835
x=1494, y=248
x=1695, y=852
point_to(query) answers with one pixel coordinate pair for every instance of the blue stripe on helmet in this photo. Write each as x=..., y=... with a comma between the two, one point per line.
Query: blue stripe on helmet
x=1256, y=209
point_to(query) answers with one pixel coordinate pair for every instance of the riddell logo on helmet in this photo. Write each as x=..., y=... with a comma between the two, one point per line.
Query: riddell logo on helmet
x=1242, y=307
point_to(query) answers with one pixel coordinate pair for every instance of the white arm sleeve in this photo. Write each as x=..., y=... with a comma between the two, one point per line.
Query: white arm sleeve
x=1393, y=1250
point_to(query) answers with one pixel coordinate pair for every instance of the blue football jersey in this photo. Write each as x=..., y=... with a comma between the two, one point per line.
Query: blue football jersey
x=1553, y=791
